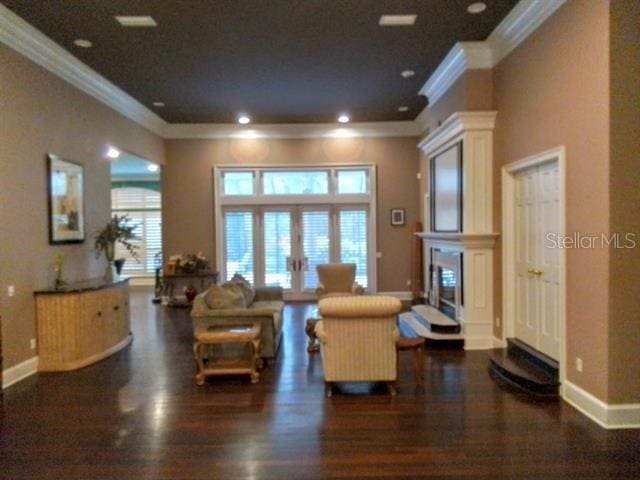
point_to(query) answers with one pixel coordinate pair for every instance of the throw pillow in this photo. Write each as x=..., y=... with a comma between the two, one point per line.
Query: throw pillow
x=227, y=296
x=247, y=289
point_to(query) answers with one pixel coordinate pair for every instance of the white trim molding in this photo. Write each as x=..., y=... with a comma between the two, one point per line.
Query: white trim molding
x=463, y=56
x=521, y=22
x=293, y=130
x=616, y=416
x=19, y=372
x=37, y=47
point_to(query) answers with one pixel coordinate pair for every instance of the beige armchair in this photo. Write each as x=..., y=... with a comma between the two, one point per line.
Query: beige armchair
x=337, y=280
x=358, y=337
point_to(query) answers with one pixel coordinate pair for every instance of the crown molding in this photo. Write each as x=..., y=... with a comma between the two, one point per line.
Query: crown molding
x=463, y=56
x=519, y=23
x=292, y=130
x=37, y=47
x=423, y=120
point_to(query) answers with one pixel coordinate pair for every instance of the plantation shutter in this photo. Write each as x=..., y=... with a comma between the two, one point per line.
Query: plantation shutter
x=238, y=234
x=354, y=242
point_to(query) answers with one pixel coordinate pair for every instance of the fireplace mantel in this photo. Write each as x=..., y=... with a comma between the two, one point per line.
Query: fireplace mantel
x=460, y=240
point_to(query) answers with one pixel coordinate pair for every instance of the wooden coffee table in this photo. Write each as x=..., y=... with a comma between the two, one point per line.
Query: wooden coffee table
x=247, y=334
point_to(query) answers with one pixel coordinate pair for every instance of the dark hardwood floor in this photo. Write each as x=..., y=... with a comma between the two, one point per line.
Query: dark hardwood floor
x=139, y=415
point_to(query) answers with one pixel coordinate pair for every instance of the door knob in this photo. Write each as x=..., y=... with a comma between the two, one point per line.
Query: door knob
x=535, y=271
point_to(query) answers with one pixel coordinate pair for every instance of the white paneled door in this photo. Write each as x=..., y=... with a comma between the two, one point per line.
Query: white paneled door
x=281, y=246
x=537, y=266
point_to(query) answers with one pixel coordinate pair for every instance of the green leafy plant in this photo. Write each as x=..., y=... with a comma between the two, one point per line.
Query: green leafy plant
x=119, y=229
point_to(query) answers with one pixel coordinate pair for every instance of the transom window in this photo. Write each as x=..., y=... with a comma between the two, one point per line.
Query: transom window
x=271, y=182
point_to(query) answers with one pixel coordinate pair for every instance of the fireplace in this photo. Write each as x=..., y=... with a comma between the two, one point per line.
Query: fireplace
x=446, y=282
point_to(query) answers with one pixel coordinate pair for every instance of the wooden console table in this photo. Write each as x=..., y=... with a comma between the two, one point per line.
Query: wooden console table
x=200, y=281
x=82, y=323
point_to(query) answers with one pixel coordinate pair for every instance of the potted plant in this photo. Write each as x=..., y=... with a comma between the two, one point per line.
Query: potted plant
x=119, y=229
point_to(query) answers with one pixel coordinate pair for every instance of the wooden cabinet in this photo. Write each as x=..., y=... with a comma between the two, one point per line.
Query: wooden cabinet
x=82, y=324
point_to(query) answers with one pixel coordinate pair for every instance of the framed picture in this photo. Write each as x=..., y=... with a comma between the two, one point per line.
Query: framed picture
x=446, y=190
x=65, y=187
x=397, y=217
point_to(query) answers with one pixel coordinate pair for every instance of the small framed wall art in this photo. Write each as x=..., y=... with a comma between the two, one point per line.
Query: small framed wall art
x=397, y=217
x=65, y=186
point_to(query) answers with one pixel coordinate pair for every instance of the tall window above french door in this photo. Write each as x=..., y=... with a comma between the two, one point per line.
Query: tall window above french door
x=277, y=224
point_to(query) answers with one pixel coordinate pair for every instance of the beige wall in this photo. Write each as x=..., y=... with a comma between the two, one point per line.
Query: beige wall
x=472, y=91
x=554, y=90
x=624, y=192
x=188, y=210
x=43, y=114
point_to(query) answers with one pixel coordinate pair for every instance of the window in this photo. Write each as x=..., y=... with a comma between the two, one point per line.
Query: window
x=237, y=183
x=354, y=242
x=352, y=181
x=142, y=206
x=309, y=182
x=295, y=218
x=238, y=234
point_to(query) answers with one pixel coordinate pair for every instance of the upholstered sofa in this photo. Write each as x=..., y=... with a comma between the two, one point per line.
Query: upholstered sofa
x=265, y=305
x=358, y=336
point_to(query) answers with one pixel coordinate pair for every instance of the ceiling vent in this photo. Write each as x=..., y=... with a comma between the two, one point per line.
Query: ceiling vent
x=136, y=21
x=397, y=20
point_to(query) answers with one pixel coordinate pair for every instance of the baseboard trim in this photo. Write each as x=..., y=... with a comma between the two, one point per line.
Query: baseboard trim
x=142, y=281
x=478, y=343
x=499, y=343
x=19, y=372
x=625, y=415
x=398, y=295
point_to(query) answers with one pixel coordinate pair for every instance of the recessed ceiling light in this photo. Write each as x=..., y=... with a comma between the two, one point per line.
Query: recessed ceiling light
x=343, y=118
x=403, y=108
x=158, y=104
x=243, y=119
x=82, y=42
x=407, y=73
x=113, y=152
x=152, y=167
x=136, y=21
x=477, y=7
x=397, y=20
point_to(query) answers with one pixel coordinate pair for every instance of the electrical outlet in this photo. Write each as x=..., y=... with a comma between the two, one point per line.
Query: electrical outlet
x=378, y=254
x=408, y=283
x=32, y=344
x=11, y=290
x=498, y=322
x=579, y=364
x=419, y=176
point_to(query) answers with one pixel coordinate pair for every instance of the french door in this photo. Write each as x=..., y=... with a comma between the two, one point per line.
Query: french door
x=282, y=245
x=537, y=265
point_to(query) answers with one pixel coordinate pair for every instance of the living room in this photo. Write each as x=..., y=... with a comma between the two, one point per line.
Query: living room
x=555, y=74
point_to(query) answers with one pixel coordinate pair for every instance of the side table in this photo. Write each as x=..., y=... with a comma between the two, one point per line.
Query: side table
x=248, y=335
